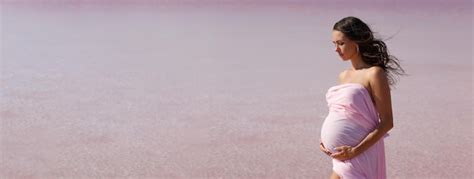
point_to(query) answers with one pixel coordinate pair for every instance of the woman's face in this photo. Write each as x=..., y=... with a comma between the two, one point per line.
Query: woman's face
x=345, y=48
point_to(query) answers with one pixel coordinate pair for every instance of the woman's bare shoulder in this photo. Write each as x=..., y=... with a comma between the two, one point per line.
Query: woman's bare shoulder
x=376, y=73
x=377, y=78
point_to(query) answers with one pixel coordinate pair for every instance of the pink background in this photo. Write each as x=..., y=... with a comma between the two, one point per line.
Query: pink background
x=187, y=89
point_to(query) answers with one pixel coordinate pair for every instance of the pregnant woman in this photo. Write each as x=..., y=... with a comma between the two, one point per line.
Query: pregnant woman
x=360, y=111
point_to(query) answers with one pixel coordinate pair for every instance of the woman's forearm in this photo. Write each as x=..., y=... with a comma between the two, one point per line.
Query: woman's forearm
x=372, y=137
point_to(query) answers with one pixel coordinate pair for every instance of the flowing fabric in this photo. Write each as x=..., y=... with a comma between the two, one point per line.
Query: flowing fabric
x=352, y=115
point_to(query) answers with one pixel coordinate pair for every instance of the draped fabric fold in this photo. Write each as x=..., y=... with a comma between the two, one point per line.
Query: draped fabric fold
x=352, y=115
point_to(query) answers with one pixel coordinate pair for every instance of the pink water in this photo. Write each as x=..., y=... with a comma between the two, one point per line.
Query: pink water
x=211, y=90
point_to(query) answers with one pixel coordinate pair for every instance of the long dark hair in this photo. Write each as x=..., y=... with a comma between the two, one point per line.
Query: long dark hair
x=373, y=50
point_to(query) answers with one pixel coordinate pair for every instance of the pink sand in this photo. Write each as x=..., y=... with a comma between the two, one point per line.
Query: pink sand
x=95, y=90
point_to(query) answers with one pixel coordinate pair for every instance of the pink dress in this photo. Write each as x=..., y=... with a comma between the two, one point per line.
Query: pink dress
x=352, y=115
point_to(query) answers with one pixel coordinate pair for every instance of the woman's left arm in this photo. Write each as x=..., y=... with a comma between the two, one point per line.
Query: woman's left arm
x=383, y=104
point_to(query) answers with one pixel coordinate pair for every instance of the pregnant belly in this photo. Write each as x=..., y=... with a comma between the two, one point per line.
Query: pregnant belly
x=338, y=130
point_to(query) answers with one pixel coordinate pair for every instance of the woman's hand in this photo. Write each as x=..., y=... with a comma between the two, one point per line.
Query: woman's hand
x=344, y=153
x=322, y=148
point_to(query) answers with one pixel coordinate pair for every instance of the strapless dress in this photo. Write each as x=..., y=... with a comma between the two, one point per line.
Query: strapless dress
x=352, y=115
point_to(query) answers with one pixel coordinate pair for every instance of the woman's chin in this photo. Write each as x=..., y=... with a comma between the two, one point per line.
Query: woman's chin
x=344, y=59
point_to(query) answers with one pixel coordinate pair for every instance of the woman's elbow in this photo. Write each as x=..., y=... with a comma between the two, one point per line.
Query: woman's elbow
x=389, y=125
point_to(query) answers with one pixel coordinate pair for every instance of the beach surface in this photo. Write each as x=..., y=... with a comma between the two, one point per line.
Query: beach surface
x=94, y=89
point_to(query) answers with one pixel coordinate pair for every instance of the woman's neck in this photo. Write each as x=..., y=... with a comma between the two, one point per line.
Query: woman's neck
x=358, y=63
